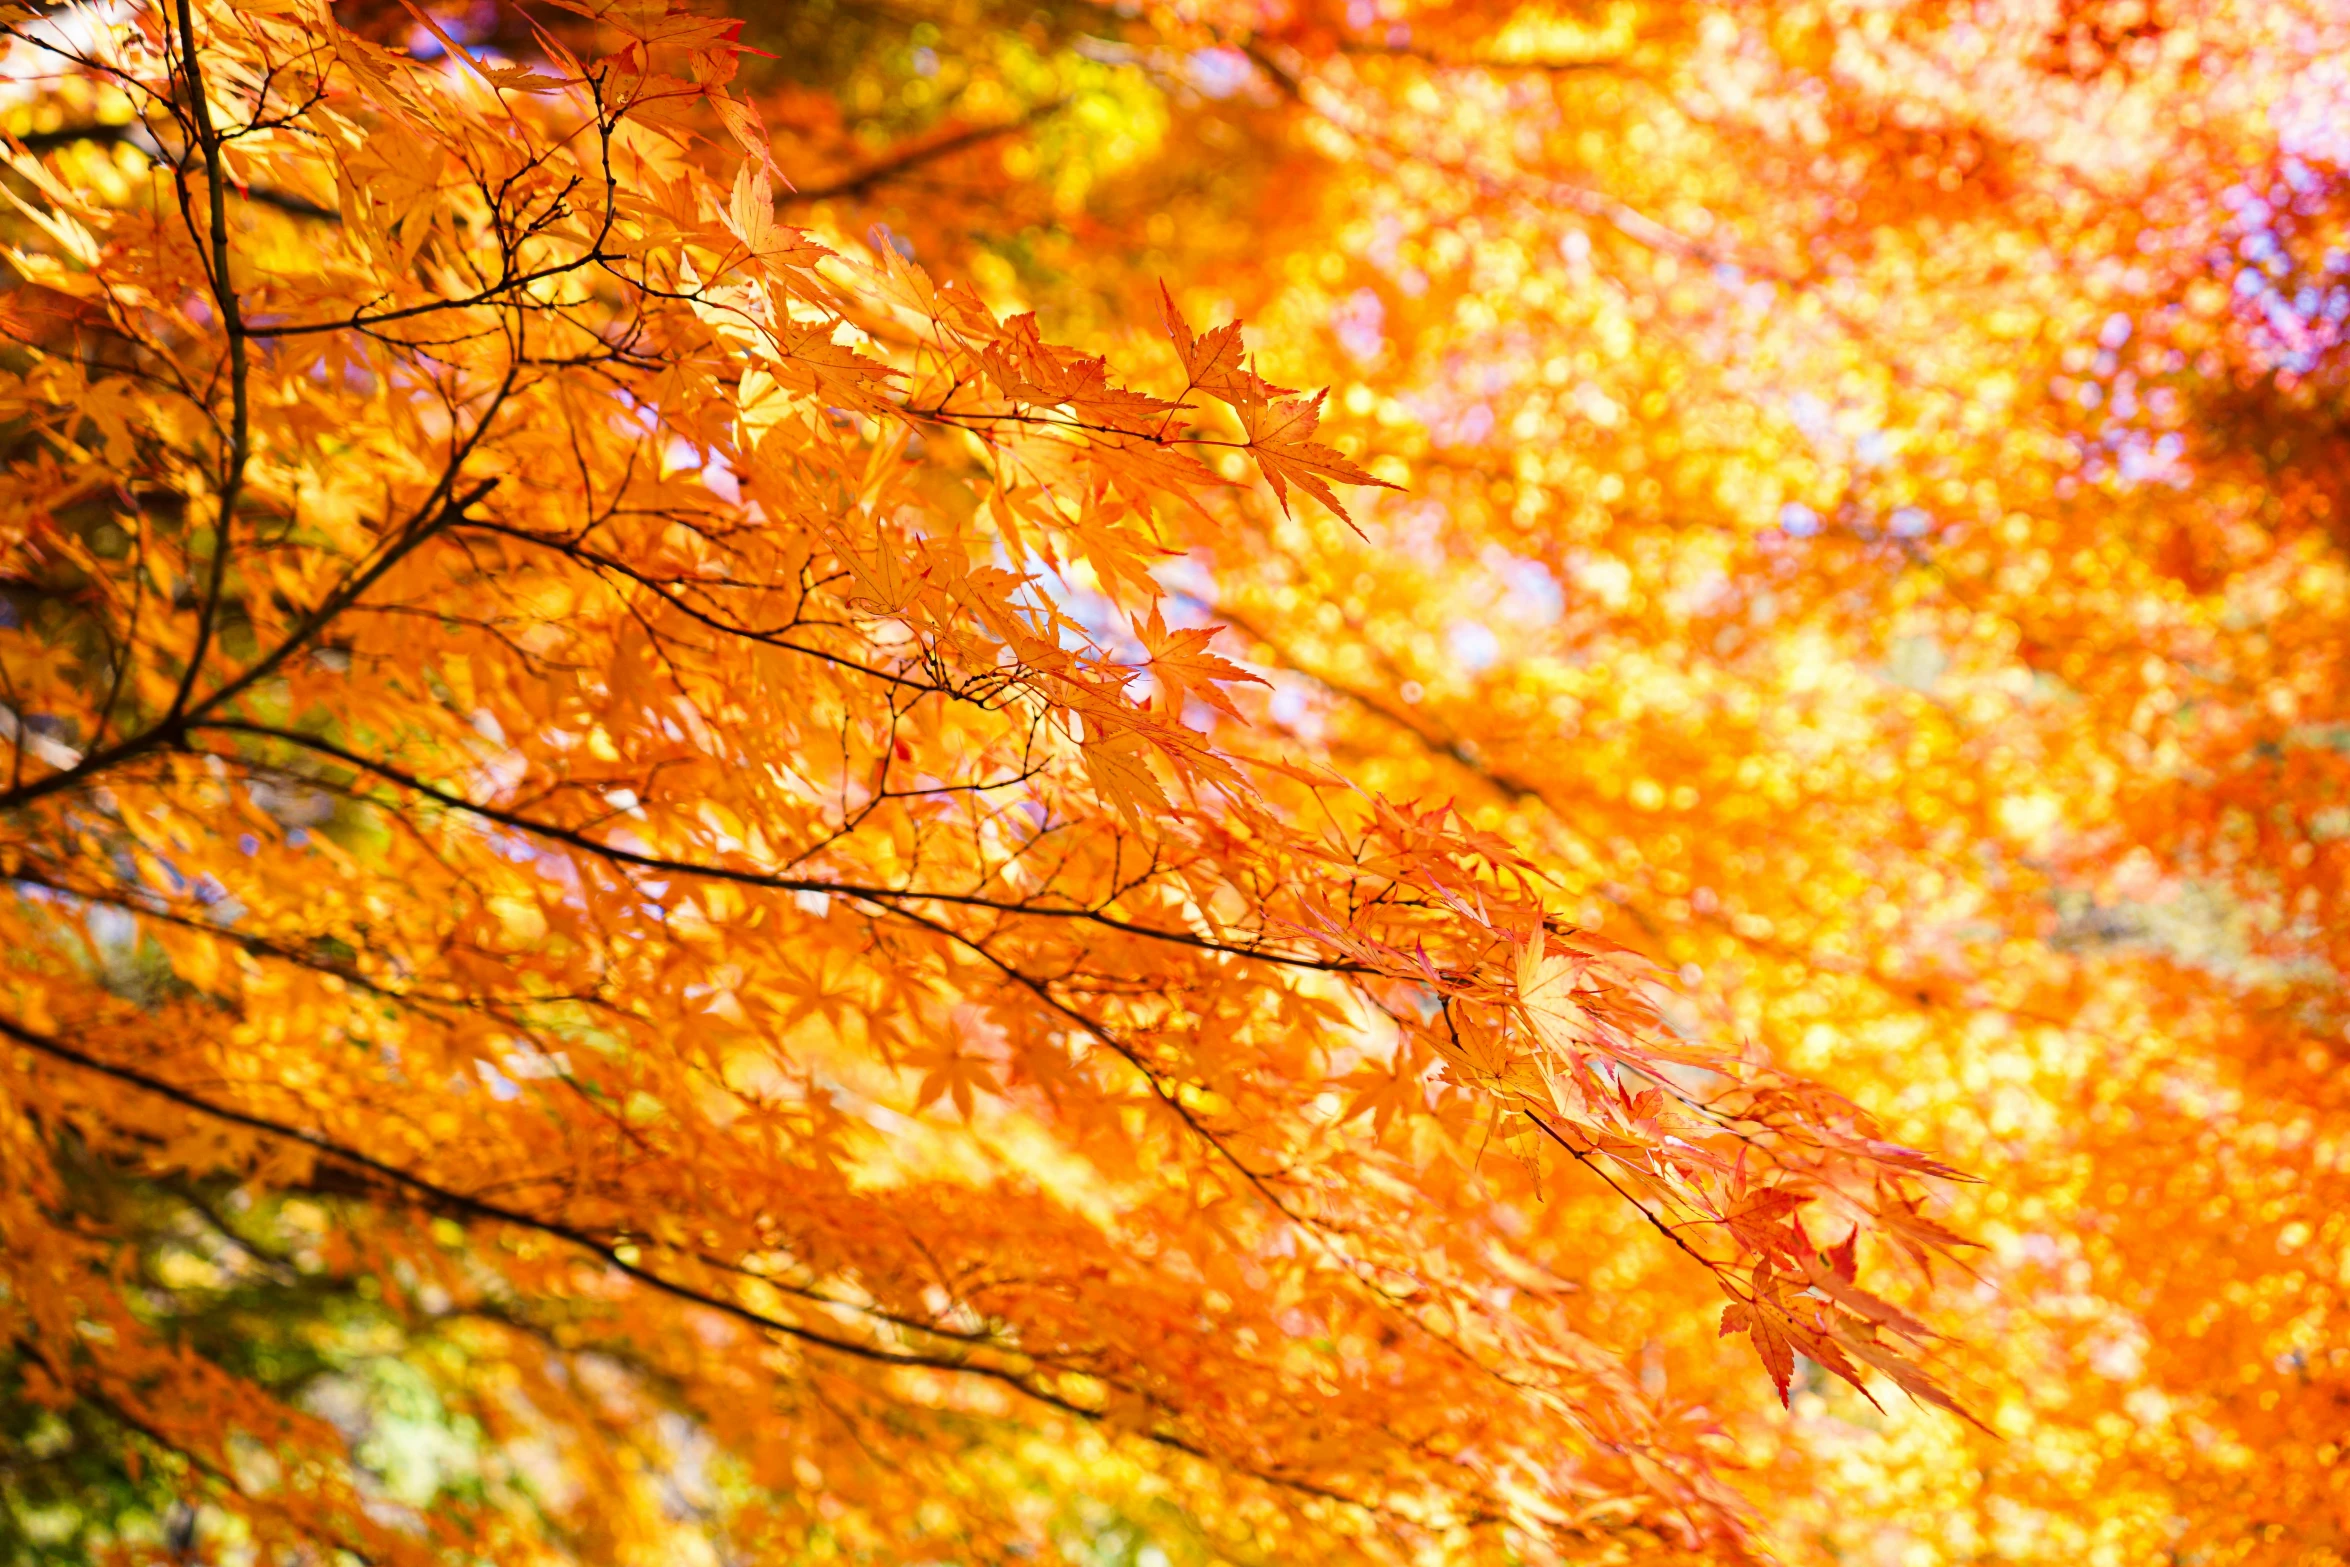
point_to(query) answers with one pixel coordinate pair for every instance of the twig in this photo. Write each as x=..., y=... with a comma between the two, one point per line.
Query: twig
x=914, y=157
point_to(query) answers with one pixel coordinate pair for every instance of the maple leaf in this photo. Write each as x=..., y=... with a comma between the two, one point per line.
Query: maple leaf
x=1381, y=1093
x=957, y=1077
x=750, y=207
x=1843, y=1258
x=1546, y=985
x=1212, y=361
x=804, y=357
x=1833, y=1280
x=1028, y=369
x=1118, y=766
x=517, y=78
x=1147, y=470
x=742, y=123
x=1280, y=437
x=1771, y=1345
x=1181, y=664
x=1911, y=1379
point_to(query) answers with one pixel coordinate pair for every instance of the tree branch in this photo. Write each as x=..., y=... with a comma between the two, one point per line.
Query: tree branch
x=889, y=897
x=232, y=323
x=140, y=137
x=451, y=1201
x=913, y=157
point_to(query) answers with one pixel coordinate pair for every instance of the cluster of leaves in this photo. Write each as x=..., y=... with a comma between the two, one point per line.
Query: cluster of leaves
x=636, y=765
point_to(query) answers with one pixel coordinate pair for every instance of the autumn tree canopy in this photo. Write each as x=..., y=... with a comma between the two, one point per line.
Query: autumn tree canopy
x=725, y=840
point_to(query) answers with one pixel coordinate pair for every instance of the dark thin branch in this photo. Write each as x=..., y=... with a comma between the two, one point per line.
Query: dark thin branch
x=1662, y=1228
x=451, y=1201
x=173, y=729
x=448, y=1200
x=140, y=137
x=673, y=593
x=232, y=324
x=889, y=897
x=1453, y=62
x=910, y=158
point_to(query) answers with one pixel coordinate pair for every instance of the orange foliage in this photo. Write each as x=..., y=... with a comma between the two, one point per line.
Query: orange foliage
x=678, y=887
